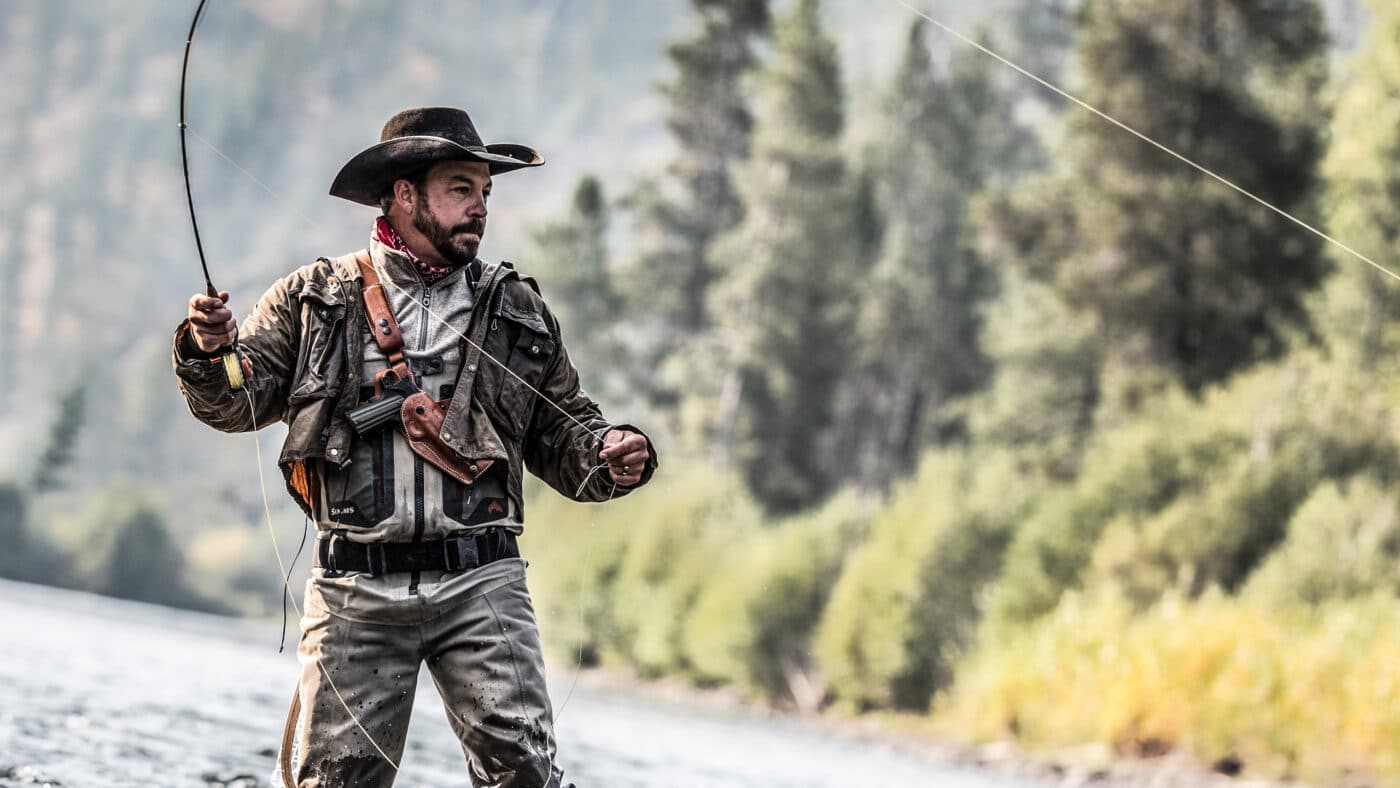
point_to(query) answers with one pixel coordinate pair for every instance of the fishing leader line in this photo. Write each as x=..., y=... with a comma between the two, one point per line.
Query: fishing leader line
x=984, y=49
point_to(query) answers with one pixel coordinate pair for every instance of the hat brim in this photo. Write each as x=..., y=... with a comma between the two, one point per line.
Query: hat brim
x=365, y=177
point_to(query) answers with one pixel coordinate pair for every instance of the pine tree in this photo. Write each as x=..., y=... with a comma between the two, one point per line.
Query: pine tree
x=64, y=431
x=947, y=137
x=1362, y=203
x=1186, y=278
x=14, y=531
x=572, y=264
x=711, y=123
x=789, y=294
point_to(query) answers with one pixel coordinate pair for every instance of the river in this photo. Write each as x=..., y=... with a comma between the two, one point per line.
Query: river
x=98, y=692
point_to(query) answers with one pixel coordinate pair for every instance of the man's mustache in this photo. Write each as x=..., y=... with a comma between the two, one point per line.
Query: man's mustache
x=470, y=227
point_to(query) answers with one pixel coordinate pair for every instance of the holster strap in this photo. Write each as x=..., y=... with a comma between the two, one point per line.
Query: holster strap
x=382, y=324
x=454, y=554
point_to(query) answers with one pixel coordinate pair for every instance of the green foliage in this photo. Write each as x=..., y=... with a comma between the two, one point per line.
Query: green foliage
x=1357, y=314
x=571, y=260
x=1131, y=472
x=14, y=531
x=1182, y=274
x=788, y=307
x=1197, y=493
x=945, y=137
x=711, y=122
x=908, y=601
x=666, y=563
x=752, y=622
x=574, y=553
x=64, y=430
x=1343, y=543
x=1044, y=390
x=125, y=549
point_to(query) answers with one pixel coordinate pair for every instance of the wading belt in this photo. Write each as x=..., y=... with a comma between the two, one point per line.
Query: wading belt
x=420, y=416
x=453, y=554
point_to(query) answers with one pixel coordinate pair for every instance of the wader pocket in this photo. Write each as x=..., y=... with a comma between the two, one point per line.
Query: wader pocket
x=321, y=358
x=483, y=501
x=530, y=348
x=362, y=493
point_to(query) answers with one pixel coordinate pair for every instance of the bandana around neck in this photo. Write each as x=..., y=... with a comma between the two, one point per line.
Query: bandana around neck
x=387, y=235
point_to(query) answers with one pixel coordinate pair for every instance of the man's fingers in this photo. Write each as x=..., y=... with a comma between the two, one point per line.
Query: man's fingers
x=634, y=460
x=212, y=324
x=203, y=303
x=630, y=443
x=215, y=319
x=626, y=457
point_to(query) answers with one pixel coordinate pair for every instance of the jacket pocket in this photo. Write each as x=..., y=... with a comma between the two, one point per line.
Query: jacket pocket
x=529, y=348
x=320, y=365
x=362, y=492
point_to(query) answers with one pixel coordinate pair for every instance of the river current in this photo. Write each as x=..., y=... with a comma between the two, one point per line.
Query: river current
x=98, y=692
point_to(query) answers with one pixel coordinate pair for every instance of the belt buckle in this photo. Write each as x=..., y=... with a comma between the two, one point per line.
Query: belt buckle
x=330, y=553
x=459, y=553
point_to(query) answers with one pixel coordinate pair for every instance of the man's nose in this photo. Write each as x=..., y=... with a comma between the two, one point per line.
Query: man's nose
x=478, y=208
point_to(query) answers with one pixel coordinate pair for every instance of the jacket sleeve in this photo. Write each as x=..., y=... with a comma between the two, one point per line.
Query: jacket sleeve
x=563, y=451
x=268, y=339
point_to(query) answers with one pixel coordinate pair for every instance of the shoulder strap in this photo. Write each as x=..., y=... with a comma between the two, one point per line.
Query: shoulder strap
x=381, y=321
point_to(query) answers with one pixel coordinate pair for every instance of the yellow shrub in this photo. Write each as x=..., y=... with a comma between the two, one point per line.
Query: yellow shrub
x=1303, y=692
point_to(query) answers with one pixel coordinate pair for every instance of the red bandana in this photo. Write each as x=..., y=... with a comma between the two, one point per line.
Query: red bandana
x=387, y=235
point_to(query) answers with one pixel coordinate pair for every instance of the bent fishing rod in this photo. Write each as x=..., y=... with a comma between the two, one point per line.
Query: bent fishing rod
x=232, y=360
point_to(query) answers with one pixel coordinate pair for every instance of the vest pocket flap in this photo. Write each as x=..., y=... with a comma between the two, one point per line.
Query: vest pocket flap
x=525, y=317
x=321, y=292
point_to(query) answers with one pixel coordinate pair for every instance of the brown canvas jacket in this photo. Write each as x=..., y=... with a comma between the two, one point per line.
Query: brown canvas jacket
x=305, y=343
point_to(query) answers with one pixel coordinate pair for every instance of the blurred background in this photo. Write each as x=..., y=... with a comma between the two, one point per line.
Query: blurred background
x=974, y=411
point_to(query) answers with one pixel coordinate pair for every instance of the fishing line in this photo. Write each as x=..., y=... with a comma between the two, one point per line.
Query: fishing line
x=1149, y=140
x=254, y=179
x=286, y=574
x=287, y=583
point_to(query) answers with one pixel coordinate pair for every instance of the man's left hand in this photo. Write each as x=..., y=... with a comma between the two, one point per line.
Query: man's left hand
x=626, y=454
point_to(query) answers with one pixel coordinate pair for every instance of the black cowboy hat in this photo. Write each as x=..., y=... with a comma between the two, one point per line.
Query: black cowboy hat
x=418, y=137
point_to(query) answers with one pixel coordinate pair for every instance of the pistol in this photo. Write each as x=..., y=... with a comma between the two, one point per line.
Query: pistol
x=382, y=409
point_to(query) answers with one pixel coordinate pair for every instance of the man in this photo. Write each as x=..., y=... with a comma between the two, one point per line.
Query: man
x=417, y=382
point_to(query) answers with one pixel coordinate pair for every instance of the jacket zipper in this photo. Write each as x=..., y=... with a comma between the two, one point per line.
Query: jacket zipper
x=419, y=504
x=417, y=514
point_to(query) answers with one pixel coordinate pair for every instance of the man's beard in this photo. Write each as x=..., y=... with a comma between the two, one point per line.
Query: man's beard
x=458, y=252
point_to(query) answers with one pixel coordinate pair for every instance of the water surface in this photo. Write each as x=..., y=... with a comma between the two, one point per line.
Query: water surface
x=99, y=692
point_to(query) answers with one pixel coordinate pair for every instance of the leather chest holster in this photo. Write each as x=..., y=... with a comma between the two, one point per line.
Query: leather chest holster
x=420, y=416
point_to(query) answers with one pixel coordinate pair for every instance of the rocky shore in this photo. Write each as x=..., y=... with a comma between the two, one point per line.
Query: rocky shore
x=1090, y=765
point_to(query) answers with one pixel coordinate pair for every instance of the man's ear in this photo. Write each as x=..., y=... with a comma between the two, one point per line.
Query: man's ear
x=404, y=194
